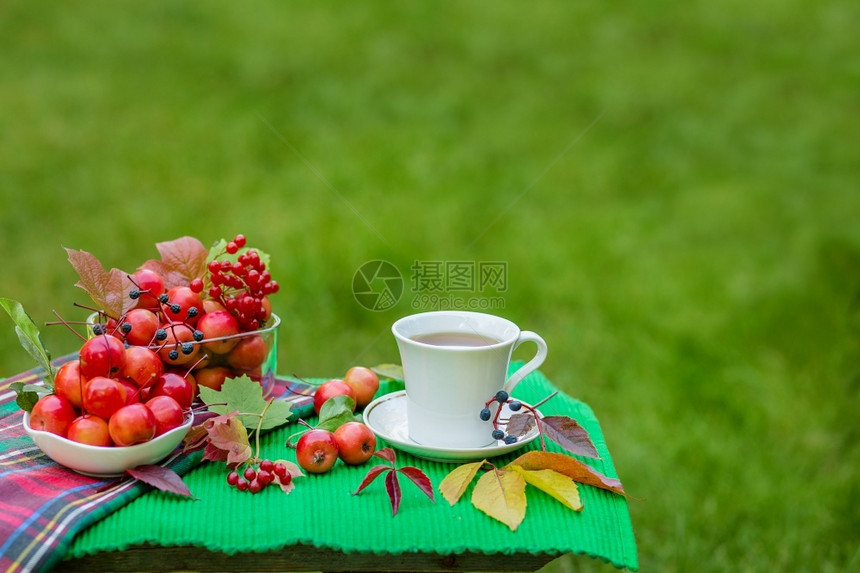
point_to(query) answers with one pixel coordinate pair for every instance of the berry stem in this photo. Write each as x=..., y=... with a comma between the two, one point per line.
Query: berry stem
x=545, y=400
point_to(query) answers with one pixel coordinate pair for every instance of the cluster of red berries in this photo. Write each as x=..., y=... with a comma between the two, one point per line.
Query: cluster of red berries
x=255, y=480
x=241, y=285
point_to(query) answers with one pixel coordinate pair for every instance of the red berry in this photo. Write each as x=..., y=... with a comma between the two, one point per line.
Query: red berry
x=196, y=285
x=215, y=292
x=239, y=240
x=255, y=486
x=242, y=485
x=233, y=478
x=265, y=477
x=232, y=247
x=286, y=479
x=267, y=465
x=214, y=266
x=280, y=470
x=250, y=474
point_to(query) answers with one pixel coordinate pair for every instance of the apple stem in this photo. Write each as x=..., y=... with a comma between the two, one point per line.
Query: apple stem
x=303, y=381
x=69, y=326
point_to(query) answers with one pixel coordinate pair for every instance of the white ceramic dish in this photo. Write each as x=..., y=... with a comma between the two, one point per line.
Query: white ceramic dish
x=386, y=416
x=101, y=461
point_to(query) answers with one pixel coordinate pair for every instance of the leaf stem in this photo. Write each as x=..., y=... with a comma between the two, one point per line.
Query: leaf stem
x=259, y=424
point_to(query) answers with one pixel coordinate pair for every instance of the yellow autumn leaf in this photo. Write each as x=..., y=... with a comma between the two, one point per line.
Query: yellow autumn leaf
x=455, y=483
x=501, y=494
x=555, y=484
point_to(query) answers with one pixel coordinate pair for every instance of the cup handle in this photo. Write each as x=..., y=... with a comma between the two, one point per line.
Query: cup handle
x=533, y=364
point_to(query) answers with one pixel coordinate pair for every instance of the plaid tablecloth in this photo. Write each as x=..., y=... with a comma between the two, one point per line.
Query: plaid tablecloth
x=43, y=505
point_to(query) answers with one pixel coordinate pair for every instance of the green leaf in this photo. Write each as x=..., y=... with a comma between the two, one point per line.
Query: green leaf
x=335, y=412
x=26, y=395
x=28, y=335
x=246, y=396
x=392, y=371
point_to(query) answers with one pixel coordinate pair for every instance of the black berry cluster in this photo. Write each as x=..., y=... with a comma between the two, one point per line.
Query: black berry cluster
x=502, y=397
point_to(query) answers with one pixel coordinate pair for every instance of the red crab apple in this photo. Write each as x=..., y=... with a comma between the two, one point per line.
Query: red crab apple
x=53, y=414
x=143, y=325
x=186, y=299
x=330, y=389
x=103, y=396
x=90, y=430
x=355, y=443
x=69, y=383
x=168, y=413
x=142, y=366
x=316, y=451
x=132, y=392
x=132, y=424
x=213, y=377
x=151, y=286
x=211, y=305
x=177, y=336
x=176, y=386
x=364, y=382
x=102, y=355
x=217, y=324
x=249, y=353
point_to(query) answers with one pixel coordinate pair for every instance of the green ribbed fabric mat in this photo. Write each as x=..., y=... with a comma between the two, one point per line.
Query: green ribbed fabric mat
x=321, y=510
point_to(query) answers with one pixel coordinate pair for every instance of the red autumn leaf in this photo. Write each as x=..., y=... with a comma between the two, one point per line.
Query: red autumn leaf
x=202, y=416
x=161, y=478
x=214, y=454
x=374, y=473
x=196, y=438
x=567, y=433
x=571, y=467
x=227, y=433
x=392, y=486
x=182, y=260
x=420, y=479
x=109, y=290
x=386, y=454
x=520, y=424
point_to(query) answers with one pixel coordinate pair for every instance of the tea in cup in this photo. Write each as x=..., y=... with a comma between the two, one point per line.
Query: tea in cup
x=453, y=363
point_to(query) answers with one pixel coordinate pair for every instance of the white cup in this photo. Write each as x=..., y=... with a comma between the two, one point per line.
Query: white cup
x=453, y=362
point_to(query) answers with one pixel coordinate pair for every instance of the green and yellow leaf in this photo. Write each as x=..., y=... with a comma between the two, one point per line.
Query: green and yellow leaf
x=455, y=483
x=501, y=494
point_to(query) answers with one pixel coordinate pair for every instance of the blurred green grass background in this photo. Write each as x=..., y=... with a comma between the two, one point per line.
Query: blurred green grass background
x=692, y=259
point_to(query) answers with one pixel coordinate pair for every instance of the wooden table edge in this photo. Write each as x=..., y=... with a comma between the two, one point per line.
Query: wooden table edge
x=299, y=557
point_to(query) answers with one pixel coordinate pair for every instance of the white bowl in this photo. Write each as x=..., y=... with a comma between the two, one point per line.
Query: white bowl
x=101, y=461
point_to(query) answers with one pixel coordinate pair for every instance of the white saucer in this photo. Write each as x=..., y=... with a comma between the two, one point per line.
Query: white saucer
x=386, y=416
